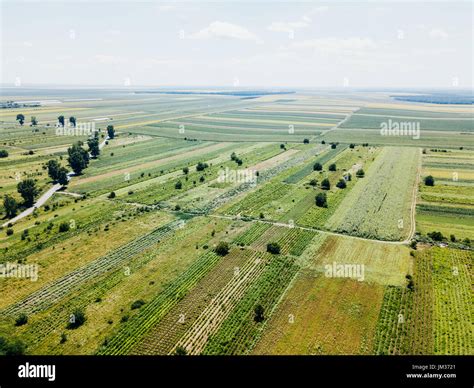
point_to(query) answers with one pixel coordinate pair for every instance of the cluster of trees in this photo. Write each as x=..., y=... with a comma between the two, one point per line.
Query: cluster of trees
x=201, y=166
x=57, y=172
x=273, y=248
x=235, y=158
x=28, y=191
x=78, y=158
x=222, y=248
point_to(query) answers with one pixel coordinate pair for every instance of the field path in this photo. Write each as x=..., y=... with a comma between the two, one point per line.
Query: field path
x=413, y=203
x=42, y=200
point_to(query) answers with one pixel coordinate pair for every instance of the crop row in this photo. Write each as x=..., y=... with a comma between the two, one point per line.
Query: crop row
x=239, y=332
x=54, y=291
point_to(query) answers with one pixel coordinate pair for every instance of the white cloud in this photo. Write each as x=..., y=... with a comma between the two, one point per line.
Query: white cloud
x=224, y=30
x=438, y=33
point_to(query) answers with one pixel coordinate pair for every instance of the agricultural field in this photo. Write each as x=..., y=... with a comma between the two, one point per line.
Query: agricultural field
x=198, y=222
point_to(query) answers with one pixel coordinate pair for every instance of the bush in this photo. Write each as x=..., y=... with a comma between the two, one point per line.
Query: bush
x=201, y=166
x=429, y=181
x=360, y=173
x=259, y=313
x=273, y=248
x=9, y=347
x=111, y=195
x=21, y=320
x=317, y=167
x=64, y=227
x=222, y=248
x=332, y=167
x=341, y=184
x=178, y=185
x=436, y=236
x=9, y=231
x=76, y=319
x=321, y=200
x=137, y=304
x=325, y=184
x=180, y=351
x=313, y=182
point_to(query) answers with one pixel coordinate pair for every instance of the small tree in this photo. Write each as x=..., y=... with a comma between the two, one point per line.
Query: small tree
x=306, y=141
x=34, y=122
x=72, y=121
x=186, y=170
x=20, y=118
x=333, y=146
x=259, y=312
x=178, y=185
x=180, y=351
x=76, y=319
x=325, y=184
x=64, y=227
x=360, y=173
x=341, y=184
x=273, y=248
x=94, y=148
x=63, y=178
x=321, y=200
x=332, y=167
x=222, y=248
x=28, y=191
x=11, y=206
x=429, y=181
x=313, y=182
x=201, y=166
x=111, y=195
x=352, y=145
x=61, y=121
x=53, y=169
x=78, y=158
x=452, y=238
x=3, y=154
x=110, y=131
x=317, y=167
x=21, y=320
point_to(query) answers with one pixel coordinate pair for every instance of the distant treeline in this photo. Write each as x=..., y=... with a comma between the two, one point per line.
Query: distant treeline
x=240, y=93
x=438, y=98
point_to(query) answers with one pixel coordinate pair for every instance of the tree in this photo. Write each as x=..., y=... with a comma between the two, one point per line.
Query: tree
x=178, y=185
x=341, y=184
x=21, y=320
x=93, y=144
x=321, y=200
x=429, y=181
x=259, y=313
x=63, y=178
x=34, y=122
x=180, y=351
x=306, y=141
x=332, y=167
x=111, y=195
x=282, y=146
x=3, y=154
x=78, y=158
x=110, y=131
x=233, y=156
x=313, y=182
x=360, y=173
x=273, y=248
x=325, y=184
x=28, y=191
x=186, y=170
x=452, y=238
x=317, y=167
x=352, y=145
x=53, y=169
x=20, y=118
x=10, y=205
x=64, y=227
x=201, y=166
x=333, y=146
x=436, y=236
x=11, y=347
x=72, y=120
x=61, y=120
x=76, y=319
x=222, y=248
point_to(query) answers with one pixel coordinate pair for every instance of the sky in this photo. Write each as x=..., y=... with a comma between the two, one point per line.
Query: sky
x=237, y=44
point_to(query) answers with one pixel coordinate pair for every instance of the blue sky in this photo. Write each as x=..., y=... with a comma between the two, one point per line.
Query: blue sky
x=270, y=43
